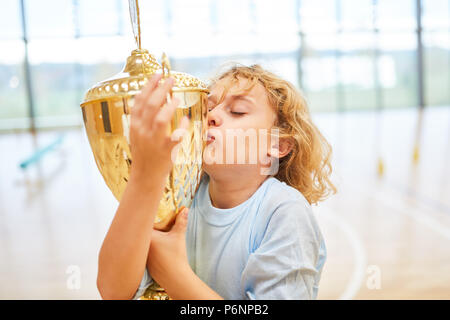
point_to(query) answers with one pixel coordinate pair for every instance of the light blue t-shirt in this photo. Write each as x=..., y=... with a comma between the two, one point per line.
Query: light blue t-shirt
x=268, y=247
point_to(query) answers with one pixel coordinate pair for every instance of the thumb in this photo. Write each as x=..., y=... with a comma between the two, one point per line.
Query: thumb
x=181, y=221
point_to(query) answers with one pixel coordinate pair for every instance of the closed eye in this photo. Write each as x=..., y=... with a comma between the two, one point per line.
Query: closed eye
x=237, y=113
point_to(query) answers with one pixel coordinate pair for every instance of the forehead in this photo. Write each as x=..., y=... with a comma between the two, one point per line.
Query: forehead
x=229, y=86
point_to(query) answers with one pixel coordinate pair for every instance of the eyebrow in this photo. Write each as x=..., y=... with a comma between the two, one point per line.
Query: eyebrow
x=234, y=97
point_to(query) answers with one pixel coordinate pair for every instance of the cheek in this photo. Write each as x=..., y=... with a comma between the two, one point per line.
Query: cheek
x=252, y=138
x=257, y=125
x=250, y=121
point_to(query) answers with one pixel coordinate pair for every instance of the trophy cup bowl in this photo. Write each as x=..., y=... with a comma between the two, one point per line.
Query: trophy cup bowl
x=106, y=115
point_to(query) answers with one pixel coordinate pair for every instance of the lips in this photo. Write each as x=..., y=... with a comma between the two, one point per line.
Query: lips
x=210, y=138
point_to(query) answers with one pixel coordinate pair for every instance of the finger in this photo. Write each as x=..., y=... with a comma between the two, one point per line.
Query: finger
x=135, y=121
x=149, y=109
x=158, y=96
x=135, y=118
x=181, y=222
x=166, y=112
x=142, y=97
x=156, y=101
x=149, y=87
x=184, y=123
x=140, y=101
x=163, y=118
x=135, y=110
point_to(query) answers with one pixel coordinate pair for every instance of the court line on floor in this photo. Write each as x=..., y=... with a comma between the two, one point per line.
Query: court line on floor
x=359, y=253
x=386, y=198
x=419, y=197
x=419, y=216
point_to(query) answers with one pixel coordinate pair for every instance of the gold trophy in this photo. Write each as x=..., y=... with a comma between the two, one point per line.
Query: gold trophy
x=106, y=114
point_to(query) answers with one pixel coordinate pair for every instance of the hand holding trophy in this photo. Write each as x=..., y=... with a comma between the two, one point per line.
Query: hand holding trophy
x=143, y=106
x=151, y=145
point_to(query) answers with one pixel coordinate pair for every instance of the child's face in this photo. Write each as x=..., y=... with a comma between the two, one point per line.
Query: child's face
x=238, y=125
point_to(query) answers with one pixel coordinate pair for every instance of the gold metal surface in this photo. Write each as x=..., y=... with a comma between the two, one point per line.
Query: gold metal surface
x=155, y=292
x=135, y=21
x=106, y=114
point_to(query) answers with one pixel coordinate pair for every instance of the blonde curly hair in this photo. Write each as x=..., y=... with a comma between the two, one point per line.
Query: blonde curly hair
x=307, y=167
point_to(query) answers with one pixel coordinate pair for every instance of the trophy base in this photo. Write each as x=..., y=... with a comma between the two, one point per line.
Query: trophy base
x=155, y=292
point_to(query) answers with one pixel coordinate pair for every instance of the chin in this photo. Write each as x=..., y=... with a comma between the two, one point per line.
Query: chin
x=213, y=170
x=227, y=171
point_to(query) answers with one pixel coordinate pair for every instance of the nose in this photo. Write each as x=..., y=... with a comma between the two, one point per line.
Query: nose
x=214, y=119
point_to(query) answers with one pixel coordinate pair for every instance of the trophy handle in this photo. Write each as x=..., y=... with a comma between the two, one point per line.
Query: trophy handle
x=165, y=65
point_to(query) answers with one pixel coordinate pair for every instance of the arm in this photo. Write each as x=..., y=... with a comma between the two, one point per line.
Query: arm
x=188, y=286
x=169, y=266
x=123, y=254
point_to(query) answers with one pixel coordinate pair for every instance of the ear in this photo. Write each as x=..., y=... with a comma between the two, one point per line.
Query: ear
x=284, y=146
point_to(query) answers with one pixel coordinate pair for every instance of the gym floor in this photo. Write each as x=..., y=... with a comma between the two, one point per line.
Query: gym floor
x=387, y=229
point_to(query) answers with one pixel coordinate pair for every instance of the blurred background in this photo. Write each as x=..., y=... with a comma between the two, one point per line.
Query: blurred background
x=376, y=75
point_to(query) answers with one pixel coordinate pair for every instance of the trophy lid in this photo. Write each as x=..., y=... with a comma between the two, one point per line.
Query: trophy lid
x=140, y=66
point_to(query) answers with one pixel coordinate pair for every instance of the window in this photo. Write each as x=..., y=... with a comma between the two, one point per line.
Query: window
x=13, y=102
x=343, y=54
x=436, y=40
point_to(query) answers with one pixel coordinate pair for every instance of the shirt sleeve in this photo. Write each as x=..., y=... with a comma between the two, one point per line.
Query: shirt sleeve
x=288, y=261
x=145, y=283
